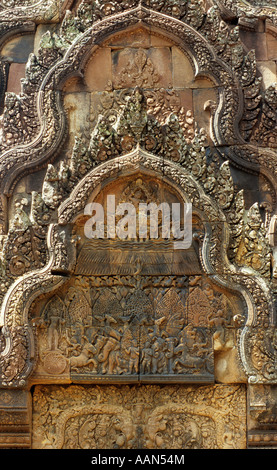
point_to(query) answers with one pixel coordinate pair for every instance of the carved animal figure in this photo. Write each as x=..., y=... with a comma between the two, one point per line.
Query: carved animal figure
x=84, y=358
x=108, y=356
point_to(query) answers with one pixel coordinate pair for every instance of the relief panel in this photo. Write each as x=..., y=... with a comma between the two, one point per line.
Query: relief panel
x=134, y=310
x=146, y=417
x=125, y=329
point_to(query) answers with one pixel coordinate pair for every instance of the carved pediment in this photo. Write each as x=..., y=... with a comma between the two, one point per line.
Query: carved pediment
x=136, y=309
x=151, y=105
x=133, y=127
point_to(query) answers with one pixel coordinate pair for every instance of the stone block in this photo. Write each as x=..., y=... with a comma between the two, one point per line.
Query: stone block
x=158, y=41
x=138, y=37
x=183, y=74
x=74, y=85
x=203, y=82
x=145, y=417
x=257, y=41
x=186, y=98
x=268, y=71
x=271, y=46
x=16, y=72
x=227, y=367
x=77, y=106
x=98, y=72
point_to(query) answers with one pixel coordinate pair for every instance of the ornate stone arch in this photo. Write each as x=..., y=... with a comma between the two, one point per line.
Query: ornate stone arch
x=212, y=256
x=220, y=295
x=44, y=147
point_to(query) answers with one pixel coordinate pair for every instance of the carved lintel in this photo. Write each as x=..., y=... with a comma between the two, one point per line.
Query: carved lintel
x=183, y=417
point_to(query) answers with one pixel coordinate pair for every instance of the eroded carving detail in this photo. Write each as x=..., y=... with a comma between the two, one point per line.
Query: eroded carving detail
x=63, y=319
x=192, y=418
x=126, y=332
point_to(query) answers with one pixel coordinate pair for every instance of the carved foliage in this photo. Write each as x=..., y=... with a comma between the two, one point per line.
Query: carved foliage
x=261, y=352
x=13, y=367
x=254, y=250
x=126, y=417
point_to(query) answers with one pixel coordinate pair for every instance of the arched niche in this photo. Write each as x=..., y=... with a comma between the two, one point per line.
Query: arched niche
x=151, y=60
x=128, y=312
x=154, y=61
x=27, y=297
x=203, y=60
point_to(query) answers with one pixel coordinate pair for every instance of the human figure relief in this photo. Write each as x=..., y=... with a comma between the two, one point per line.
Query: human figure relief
x=159, y=359
x=146, y=358
x=53, y=331
x=191, y=353
x=130, y=351
x=133, y=353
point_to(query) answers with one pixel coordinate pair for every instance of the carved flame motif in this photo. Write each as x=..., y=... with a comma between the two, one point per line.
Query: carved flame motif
x=198, y=307
x=171, y=311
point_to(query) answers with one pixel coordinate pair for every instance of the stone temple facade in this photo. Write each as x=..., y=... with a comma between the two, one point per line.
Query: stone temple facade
x=130, y=343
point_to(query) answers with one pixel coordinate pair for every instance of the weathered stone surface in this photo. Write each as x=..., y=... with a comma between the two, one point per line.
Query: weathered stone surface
x=98, y=74
x=147, y=68
x=257, y=41
x=18, y=49
x=271, y=47
x=201, y=108
x=15, y=419
x=262, y=431
x=16, y=73
x=151, y=102
x=183, y=74
x=268, y=72
x=77, y=106
x=148, y=417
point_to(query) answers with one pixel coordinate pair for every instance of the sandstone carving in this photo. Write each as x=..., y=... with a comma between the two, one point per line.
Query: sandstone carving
x=107, y=422
x=151, y=102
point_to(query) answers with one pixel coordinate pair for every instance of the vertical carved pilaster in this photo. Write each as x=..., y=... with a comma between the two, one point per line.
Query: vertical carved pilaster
x=262, y=413
x=15, y=419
